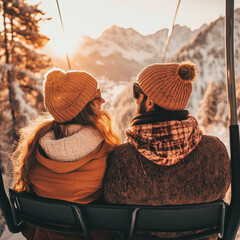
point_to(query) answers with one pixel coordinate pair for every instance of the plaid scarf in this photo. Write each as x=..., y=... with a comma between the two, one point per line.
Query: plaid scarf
x=165, y=143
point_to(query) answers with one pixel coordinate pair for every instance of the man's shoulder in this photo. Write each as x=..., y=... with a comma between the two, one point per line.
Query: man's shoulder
x=211, y=145
x=212, y=141
x=123, y=152
x=124, y=148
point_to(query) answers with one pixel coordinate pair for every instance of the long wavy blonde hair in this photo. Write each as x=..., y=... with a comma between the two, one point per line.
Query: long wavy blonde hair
x=24, y=157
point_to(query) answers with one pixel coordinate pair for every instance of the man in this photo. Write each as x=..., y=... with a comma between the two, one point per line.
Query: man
x=166, y=160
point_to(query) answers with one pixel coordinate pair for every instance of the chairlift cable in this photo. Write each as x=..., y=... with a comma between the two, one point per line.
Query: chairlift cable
x=61, y=20
x=170, y=33
x=230, y=63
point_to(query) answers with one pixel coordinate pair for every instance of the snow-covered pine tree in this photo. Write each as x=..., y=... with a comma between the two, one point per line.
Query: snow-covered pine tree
x=20, y=69
x=210, y=108
x=20, y=38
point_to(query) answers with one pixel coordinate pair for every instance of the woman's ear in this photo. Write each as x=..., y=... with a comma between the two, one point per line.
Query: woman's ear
x=149, y=104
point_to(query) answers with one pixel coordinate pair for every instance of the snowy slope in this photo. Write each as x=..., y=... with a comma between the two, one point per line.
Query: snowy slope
x=207, y=51
x=9, y=236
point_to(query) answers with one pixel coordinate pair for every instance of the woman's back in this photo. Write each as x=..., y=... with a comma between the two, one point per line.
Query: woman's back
x=64, y=156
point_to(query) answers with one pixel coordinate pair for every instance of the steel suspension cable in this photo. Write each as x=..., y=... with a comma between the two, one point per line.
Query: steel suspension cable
x=61, y=20
x=170, y=33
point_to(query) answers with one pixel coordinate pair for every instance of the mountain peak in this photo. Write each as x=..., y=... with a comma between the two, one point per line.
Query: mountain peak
x=116, y=30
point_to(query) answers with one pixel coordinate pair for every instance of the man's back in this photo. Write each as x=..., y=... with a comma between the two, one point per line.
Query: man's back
x=202, y=176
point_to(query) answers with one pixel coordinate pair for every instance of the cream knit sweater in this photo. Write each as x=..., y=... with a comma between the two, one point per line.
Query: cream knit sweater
x=78, y=143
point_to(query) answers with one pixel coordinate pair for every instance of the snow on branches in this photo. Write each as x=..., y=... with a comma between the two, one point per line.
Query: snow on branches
x=24, y=108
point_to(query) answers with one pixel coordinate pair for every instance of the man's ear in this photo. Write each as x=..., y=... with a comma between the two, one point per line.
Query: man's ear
x=149, y=104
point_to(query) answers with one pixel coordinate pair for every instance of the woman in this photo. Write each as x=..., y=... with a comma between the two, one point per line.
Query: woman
x=64, y=156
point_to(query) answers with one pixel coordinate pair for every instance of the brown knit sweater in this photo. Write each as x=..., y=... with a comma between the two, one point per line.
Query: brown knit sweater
x=202, y=176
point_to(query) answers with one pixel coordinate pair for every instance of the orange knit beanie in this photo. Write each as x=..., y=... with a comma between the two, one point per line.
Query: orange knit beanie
x=169, y=85
x=67, y=93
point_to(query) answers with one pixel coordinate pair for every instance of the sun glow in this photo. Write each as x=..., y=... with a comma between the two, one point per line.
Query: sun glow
x=62, y=44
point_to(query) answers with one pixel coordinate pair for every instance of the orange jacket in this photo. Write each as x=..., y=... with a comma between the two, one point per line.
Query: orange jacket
x=79, y=181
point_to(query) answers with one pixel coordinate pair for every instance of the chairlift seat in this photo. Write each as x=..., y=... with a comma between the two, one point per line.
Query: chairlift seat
x=72, y=218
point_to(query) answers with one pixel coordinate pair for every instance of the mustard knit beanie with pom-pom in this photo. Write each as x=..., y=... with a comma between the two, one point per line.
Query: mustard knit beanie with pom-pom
x=169, y=85
x=67, y=93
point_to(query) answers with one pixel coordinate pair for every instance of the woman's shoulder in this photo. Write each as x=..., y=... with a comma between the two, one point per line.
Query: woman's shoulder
x=105, y=148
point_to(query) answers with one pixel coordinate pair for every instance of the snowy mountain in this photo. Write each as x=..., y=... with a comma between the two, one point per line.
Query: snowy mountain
x=207, y=51
x=119, y=53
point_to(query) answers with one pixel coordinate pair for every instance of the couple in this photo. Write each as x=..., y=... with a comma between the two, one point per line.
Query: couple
x=75, y=155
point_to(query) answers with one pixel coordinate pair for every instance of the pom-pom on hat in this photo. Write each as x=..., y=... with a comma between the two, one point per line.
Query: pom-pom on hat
x=67, y=93
x=169, y=85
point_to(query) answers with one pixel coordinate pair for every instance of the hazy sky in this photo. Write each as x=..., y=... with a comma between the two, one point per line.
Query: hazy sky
x=92, y=17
